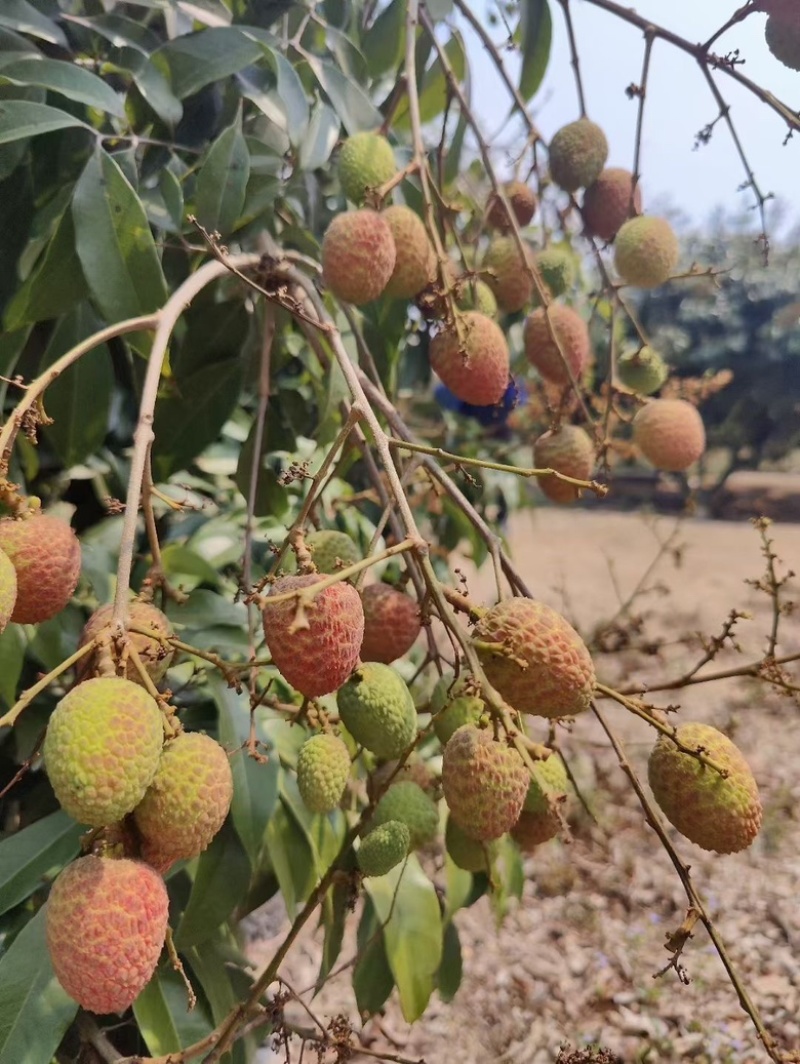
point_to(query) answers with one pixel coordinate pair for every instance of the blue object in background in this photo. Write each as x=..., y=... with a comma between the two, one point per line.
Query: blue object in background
x=488, y=416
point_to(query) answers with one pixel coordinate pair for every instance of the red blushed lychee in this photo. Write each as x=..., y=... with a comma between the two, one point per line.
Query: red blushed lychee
x=46, y=555
x=568, y=450
x=484, y=782
x=670, y=434
x=542, y=351
x=472, y=360
x=610, y=202
x=358, y=256
x=391, y=623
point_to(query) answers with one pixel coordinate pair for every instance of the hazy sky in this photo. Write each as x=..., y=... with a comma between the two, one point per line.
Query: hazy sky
x=679, y=103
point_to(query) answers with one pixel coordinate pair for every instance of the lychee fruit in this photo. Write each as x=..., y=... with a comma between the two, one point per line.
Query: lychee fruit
x=465, y=852
x=187, y=802
x=102, y=749
x=535, y=658
x=607, y=203
x=407, y=802
x=8, y=589
x=568, y=450
x=46, y=555
x=669, y=433
x=543, y=353
x=643, y=371
x=383, y=848
x=783, y=39
x=315, y=647
x=415, y=260
x=718, y=813
x=578, y=153
x=377, y=709
x=507, y=274
x=557, y=269
x=323, y=769
x=476, y=295
x=391, y=623
x=106, y=921
x=472, y=359
x=366, y=161
x=646, y=251
x=484, y=782
x=454, y=702
x=523, y=203
x=414, y=770
x=358, y=256
x=539, y=820
x=329, y=548
x=155, y=655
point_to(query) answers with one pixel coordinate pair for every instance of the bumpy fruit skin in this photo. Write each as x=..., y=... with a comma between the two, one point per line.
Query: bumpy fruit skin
x=453, y=704
x=328, y=547
x=8, y=589
x=318, y=658
x=415, y=259
x=721, y=814
x=544, y=667
x=106, y=921
x=507, y=275
x=366, y=161
x=187, y=802
x=542, y=352
x=377, y=709
x=358, y=256
x=646, y=251
x=383, y=848
x=783, y=40
x=465, y=852
x=557, y=268
x=46, y=555
x=568, y=450
x=642, y=371
x=407, y=802
x=474, y=365
x=391, y=623
x=607, y=203
x=538, y=820
x=102, y=748
x=670, y=434
x=476, y=295
x=523, y=203
x=484, y=783
x=155, y=656
x=323, y=769
x=578, y=153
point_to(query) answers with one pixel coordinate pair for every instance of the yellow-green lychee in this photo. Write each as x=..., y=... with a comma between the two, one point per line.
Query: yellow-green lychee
x=46, y=555
x=392, y=623
x=467, y=853
x=323, y=769
x=154, y=652
x=609, y=202
x=539, y=820
x=8, y=589
x=415, y=259
x=543, y=352
x=331, y=550
x=783, y=40
x=578, y=153
x=646, y=251
x=721, y=813
x=455, y=701
x=569, y=450
x=535, y=658
x=105, y=925
x=383, y=848
x=643, y=371
x=472, y=359
x=476, y=295
x=102, y=749
x=484, y=782
x=506, y=272
x=557, y=268
x=669, y=433
x=523, y=203
x=187, y=802
x=358, y=256
x=366, y=161
x=407, y=802
x=377, y=709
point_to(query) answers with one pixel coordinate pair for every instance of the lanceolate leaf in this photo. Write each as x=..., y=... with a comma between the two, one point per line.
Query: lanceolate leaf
x=535, y=33
x=54, y=285
x=23, y=17
x=24, y=118
x=199, y=59
x=223, y=875
x=161, y=1010
x=68, y=80
x=222, y=180
x=27, y=856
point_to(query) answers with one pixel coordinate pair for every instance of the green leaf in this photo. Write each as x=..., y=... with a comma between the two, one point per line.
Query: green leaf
x=350, y=102
x=208, y=608
x=292, y=858
x=54, y=285
x=12, y=656
x=27, y=856
x=222, y=180
x=216, y=965
x=372, y=977
x=384, y=41
x=335, y=908
x=23, y=118
x=214, y=333
x=320, y=138
x=451, y=969
x=223, y=875
x=164, y=1020
x=23, y=17
x=34, y=1010
x=151, y=83
x=535, y=34
x=172, y=193
x=66, y=79
x=291, y=94
x=114, y=242
x=198, y=59
x=439, y=9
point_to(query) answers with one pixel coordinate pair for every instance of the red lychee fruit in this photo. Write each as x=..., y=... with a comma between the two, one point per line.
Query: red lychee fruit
x=484, y=782
x=391, y=623
x=568, y=450
x=607, y=203
x=155, y=655
x=523, y=203
x=542, y=352
x=8, y=589
x=358, y=256
x=46, y=555
x=472, y=360
x=670, y=434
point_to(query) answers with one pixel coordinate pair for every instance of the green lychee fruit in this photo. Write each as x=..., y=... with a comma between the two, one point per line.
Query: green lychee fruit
x=454, y=703
x=468, y=853
x=643, y=371
x=646, y=251
x=407, y=802
x=472, y=359
x=542, y=352
x=46, y=555
x=383, y=848
x=329, y=548
x=507, y=274
x=377, y=709
x=366, y=161
x=8, y=589
x=557, y=267
x=535, y=658
x=102, y=748
x=578, y=153
x=718, y=813
x=314, y=647
x=155, y=655
x=358, y=256
x=187, y=802
x=415, y=259
x=323, y=769
x=568, y=450
x=484, y=782
x=783, y=40
x=607, y=203
x=670, y=434
x=538, y=820
x=523, y=204
x=391, y=623
x=106, y=921
x=476, y=295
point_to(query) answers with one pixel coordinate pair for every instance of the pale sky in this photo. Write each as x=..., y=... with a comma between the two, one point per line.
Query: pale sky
x=679, y=103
